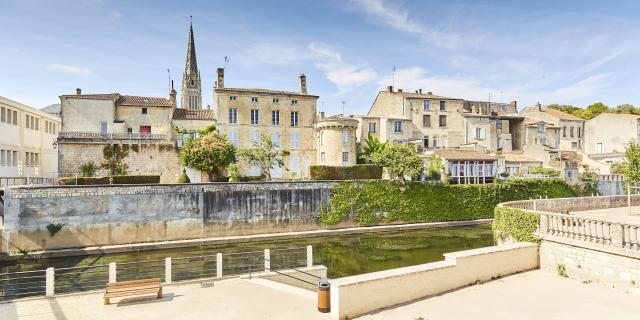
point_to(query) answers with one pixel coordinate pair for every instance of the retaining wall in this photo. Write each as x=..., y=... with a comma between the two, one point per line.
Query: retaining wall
x=118, y=214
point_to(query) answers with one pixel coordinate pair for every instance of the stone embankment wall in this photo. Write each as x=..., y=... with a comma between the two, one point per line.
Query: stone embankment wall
x=108, y=215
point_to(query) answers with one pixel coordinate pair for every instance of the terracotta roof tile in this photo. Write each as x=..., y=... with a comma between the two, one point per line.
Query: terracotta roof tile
x=99, y=96
x=518, y=157
x=143, y=101
x=193, y=114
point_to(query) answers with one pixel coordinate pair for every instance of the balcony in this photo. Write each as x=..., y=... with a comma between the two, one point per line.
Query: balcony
x=82, y=136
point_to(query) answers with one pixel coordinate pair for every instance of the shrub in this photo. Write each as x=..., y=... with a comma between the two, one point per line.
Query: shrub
x=69, y=181
x=53, y=228
x=517, y=223
x=373, y=202
x=360, y=171
x=543, y=170
x=184, y=178
x=88, y=169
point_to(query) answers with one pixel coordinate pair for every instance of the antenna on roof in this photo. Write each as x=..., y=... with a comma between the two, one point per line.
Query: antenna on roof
x=393, y=77
x=343, y=102
x=170, y=83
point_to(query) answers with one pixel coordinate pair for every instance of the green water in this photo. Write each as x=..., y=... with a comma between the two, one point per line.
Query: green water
x=343, y=255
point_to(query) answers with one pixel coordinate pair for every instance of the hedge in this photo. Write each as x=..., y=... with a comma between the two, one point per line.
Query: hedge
x=359, y=171
x=516, y=223
x=374, y=202
x=69, y=181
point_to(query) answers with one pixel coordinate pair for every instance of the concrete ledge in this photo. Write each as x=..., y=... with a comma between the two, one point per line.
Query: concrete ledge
x=391, y=287
x=132, y=247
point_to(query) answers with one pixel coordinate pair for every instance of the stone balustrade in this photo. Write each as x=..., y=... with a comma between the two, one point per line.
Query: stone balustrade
x=110, y=135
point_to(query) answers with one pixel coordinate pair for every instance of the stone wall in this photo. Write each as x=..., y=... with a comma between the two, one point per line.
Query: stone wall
x=108, y=215
x=593, y=265
x=142, y=159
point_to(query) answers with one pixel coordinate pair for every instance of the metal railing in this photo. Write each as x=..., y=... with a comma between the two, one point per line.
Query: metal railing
x=22, y=181
x=14, y=285
x=110, y=135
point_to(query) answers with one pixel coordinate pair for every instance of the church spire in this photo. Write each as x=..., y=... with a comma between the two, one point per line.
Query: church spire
x=191, y=67
x=191, y=97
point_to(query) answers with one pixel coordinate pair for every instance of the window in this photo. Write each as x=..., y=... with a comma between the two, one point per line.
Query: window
x=599, y=147
x=27, y=123
x=233, y=137
x=129, y=130
x=345, y=157
x=397, y=126
x=540, y=127
x=255, y=137
x=443, y=106
x=443, y=141
x=37, y=123
x=35, y=162
x=498, y=124
x=574, y=145
x=275, y=139
x=294, y=118
x=27, y=157
x=2, y=115
x=15, y=158
x=321, y=139
x=275, y=117
x=294, y=140
x=345, y=136
x=144, y=110
x=233, y=115
x=425, y=142
x=3, y=158
x=426, y=120
x=435, y=142
x=145, y=129
x=425, y=105
x=571, y=132
x=276, y=100
x=322, y=157
x=294, y=101
x=232, y=98
x=254, y=116
x=103, y=127
x=443, y=121
x=542, y=141
x=372, y=127
x=478, y=133
x=564, y=132
x=15, y=118
x=254, y=99
x=579, y=132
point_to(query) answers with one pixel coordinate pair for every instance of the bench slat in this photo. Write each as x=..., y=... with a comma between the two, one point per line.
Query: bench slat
x=157, y=284
x=154, y=287
x=120, y=283
x=131, y=293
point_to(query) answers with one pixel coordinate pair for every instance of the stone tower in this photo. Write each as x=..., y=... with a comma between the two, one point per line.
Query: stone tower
x=191, y=86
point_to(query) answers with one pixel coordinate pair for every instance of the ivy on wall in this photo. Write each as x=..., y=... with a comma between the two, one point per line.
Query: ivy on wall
x=518, y=224
x=375, y=202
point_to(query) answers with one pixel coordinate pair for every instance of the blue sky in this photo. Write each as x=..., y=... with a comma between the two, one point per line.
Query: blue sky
x=574, y=52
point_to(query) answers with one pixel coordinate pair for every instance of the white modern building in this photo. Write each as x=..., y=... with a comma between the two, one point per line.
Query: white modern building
x=27, y=137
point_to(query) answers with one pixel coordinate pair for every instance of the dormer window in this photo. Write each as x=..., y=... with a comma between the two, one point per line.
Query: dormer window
x=254, y=99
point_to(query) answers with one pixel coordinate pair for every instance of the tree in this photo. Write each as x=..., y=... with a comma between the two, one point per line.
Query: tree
x=400, y=161
x=567, y=108
x=627, y=109
x=371, y=146
x=210, y=152
x=631, y=168
x=594, y=110
x=435, y=168
x=265, y=155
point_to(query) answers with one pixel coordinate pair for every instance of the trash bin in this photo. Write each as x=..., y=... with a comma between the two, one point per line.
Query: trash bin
x=324, y=301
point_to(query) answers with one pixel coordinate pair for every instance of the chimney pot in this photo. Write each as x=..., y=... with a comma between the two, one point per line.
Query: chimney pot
x=420, y=90
x=430, y=93
x=321, y=114
x=390, y=89
x=78, y=91
x=302, y=83
x=399, y=90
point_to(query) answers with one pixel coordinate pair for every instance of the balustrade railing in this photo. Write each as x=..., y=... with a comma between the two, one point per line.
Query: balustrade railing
x=52, y=281
x=110, y=135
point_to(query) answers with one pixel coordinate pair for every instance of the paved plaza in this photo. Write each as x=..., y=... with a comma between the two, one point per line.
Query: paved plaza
x=620, y=214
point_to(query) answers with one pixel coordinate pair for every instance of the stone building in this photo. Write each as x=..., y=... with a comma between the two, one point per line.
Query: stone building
x=336, y=140
x=191, y=95
x=571, y=127
x=607, y=137
x=286, y=117
x=468, y=166
x=27, y=138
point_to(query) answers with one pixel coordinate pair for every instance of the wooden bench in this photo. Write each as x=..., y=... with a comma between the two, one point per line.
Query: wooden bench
x=133, y=288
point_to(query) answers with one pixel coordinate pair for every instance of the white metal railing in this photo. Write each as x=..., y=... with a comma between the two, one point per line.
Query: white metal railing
x=22, y=181
x=53, y=280
x=110, y=135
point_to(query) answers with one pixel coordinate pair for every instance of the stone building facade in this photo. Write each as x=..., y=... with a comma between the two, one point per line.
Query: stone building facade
x=571, y=127
x=286, y=117
x=608, y=136
x=336, y=140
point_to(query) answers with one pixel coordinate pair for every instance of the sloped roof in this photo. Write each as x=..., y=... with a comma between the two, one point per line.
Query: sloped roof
x=464, y=155
x=193, y=114
x=519, y=157
x=52, y=109
x=143, y=101
x=561, y=115
x=97, y=96
x=421, y=95
x=263, y=91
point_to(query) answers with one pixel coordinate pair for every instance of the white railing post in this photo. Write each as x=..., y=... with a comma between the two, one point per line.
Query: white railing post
x=309, y=256
x=112, y=272
x=267, y=260
x=219, y=265
x=167, y=270
x=49, y=282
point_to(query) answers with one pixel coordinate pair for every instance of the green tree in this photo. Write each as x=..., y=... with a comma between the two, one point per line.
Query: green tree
x=400, y=161
x=265, y=155
x=594, y=110
x=570, y=109
x=436, y=166
x=210, y=152
x=371, y=146
x=631, y=168
x=627, y=109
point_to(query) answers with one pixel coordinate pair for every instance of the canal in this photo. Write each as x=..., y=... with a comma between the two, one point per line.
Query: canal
x=343, y=255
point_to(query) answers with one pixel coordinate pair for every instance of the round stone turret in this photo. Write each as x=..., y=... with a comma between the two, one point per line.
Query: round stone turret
x=336, y=140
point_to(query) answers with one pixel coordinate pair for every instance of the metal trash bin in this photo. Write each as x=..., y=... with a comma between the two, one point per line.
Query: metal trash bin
x=324, y=296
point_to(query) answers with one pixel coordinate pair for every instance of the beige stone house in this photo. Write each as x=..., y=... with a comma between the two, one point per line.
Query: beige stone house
x=607, y=136
x=287, y=117
x=571, y=127
x=336, y=140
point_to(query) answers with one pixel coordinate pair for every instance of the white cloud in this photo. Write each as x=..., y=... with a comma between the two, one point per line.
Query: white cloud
x=271, y=51
x=399, y=19
x=69, y=69
x=344, y=75
x=584, y=88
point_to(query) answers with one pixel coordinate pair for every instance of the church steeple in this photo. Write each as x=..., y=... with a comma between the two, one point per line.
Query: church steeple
x=191, y=87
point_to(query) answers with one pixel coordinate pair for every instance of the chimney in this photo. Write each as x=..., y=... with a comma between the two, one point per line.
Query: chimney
x=302, y=83
x=430, y=93
x=539, y=106
x=78, y=91
x=420, y=90
x=399, y=90
x=220, y=82
x=390, y=89
x=321, y=115
x=172, y=95
x=514, y=103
